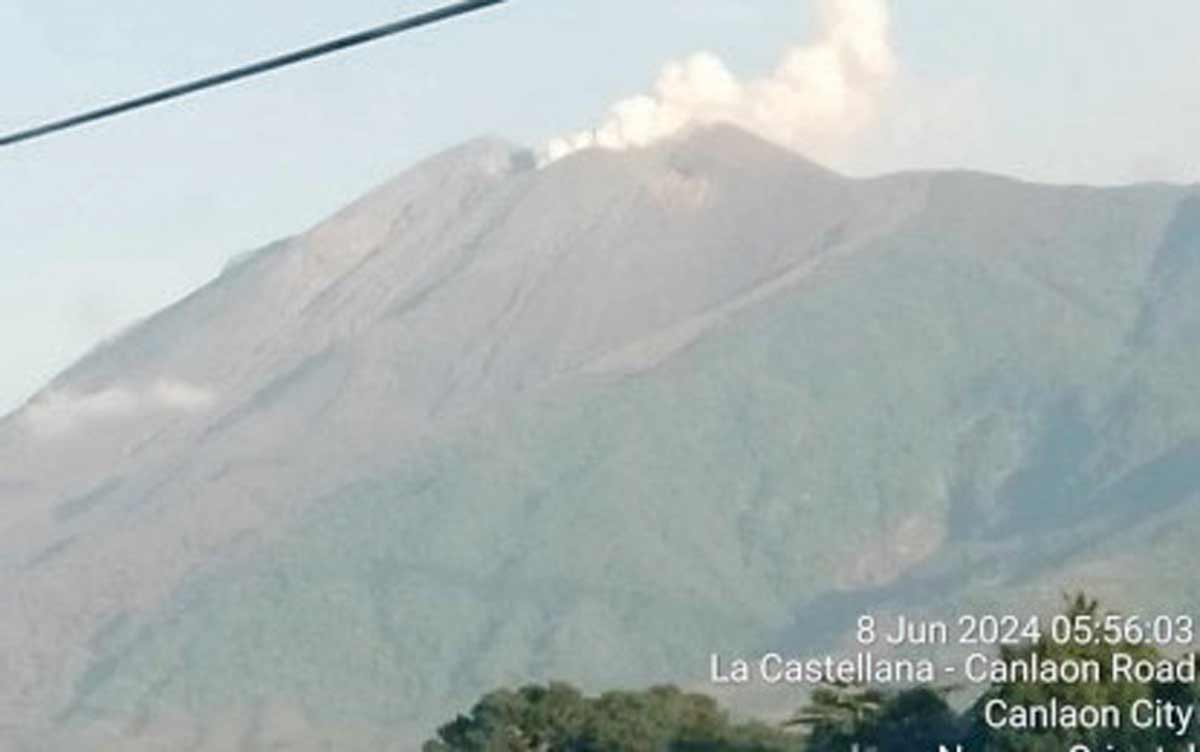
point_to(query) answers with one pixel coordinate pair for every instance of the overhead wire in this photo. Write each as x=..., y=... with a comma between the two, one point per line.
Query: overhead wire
x=338, y=44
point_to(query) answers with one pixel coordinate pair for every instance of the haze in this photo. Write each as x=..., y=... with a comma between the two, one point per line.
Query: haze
x=107, y=224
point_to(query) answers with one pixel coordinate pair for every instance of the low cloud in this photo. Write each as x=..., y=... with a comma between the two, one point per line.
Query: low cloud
x=820, y=96
x=59, y=412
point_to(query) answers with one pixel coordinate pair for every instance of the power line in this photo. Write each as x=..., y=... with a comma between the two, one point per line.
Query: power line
x=253, y=69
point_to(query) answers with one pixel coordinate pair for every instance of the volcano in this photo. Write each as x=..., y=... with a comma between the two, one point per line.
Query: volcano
x=595, y=422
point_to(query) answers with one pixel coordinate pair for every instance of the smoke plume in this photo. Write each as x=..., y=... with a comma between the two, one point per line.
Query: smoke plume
x=820, y=95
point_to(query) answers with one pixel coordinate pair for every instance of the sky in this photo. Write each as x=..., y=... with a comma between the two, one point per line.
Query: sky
x=102, y=226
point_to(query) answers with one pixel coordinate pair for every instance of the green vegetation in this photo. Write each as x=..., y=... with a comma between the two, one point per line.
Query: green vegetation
x=559, y=718
x=1109, y=692
x=838, y=717
x=993, y=400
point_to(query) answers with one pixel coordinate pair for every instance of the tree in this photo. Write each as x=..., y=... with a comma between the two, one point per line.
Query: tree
x=840, y=716
x=1080, y=609
x=558, y=718
x=531, y=719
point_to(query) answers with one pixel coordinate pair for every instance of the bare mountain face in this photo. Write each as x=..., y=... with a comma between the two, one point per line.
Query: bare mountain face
x=493, y=424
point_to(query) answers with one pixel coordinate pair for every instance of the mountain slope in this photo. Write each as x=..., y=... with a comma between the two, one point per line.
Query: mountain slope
x=491, y=424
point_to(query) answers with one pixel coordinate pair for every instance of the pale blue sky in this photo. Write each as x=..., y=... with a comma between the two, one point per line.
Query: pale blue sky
x=106, y=224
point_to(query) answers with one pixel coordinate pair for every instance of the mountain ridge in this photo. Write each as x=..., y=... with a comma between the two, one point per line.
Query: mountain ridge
x=502, y=395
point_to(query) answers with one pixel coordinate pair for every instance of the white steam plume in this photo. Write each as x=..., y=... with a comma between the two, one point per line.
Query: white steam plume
x=820, y=95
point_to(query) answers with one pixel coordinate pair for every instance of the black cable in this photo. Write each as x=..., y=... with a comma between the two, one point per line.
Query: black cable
x=254, y=69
